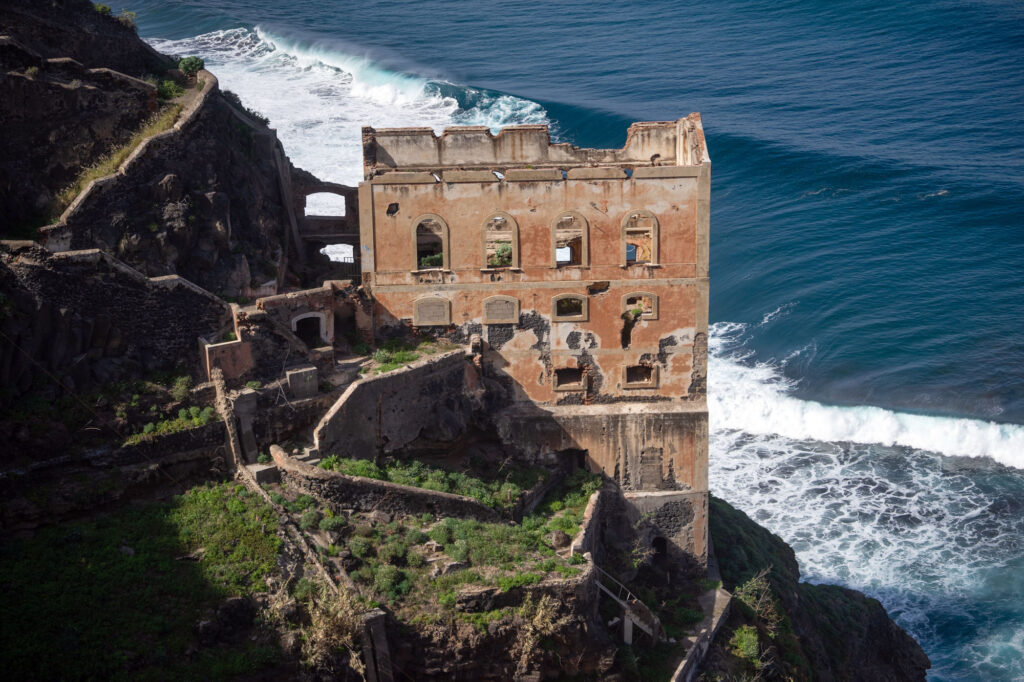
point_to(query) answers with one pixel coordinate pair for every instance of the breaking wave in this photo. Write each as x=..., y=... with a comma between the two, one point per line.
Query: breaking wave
x=318, y=97
x=754, y=397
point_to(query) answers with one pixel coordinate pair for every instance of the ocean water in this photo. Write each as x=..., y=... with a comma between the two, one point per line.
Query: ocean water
x=866, y=382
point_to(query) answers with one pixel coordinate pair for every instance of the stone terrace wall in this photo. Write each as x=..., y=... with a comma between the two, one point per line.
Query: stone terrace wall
x=89, y=319
x=385, y=413
x=366, y=494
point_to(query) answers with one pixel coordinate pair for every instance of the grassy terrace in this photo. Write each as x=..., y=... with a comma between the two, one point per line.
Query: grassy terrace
x=417, y=565
x=501, y=490
x=118, y=596
x=396, y=353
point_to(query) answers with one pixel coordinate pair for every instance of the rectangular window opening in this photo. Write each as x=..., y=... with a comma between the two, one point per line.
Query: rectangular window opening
x=640, y=374
x=569, y=307
x=569, y=377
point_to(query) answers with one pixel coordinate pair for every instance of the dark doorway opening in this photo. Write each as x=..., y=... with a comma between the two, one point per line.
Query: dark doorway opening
x=308, y=329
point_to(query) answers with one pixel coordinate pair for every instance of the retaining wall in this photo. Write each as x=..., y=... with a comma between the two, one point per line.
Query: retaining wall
x=387, y=412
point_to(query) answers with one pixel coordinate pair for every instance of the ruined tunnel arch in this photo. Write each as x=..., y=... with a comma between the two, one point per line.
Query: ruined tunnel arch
x=325, y=202
x=659, y=545
x=311, y=328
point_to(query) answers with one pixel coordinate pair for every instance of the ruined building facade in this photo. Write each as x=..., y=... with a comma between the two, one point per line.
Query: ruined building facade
x=583, y=272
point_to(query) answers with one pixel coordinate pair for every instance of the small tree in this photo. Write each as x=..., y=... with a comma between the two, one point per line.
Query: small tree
x=190, y=65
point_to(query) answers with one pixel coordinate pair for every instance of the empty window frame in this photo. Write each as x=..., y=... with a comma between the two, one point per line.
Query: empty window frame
x=570, y=379
x=640, y=305
x=501, y=241
x=640, y=376
x=569, y=308
x=639, y=238
x=571, y=242
x=430, y=242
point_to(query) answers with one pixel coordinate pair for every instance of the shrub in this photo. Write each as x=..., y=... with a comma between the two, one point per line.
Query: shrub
x=434, y=260
x=333, y=523
x=263, y=458
x=127, y=18
x=744, y=643
x=302, y=503
x=416, y=537
x=168, y=89
x=180, y=388
x=441, y=534
x=309, y=520
x=506, y=583
x=459, y=550
x=383, y=355
x=577, y=559
x=191, y=65
x=32, y=71
x=102, y=9
x=303, y=589
x=252, y=384
x=415, y=558
x=360, y=547
x=391, y=581
x=392, y=552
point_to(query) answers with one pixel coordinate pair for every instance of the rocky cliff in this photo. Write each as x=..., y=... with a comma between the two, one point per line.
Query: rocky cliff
x=807, y=632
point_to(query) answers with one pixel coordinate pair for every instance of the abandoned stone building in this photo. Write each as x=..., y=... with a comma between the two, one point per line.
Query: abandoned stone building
x=580, y=276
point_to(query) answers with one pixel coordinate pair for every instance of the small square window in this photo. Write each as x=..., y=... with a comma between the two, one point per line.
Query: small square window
x=640, y=376
x=569, y=308
x=569, y=379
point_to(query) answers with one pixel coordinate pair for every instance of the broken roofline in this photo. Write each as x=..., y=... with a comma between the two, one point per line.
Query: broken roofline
x=651, y=143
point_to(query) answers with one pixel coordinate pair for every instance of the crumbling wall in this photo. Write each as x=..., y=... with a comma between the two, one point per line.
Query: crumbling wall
x=679, y=143
x=385, y=413
x=342, y=492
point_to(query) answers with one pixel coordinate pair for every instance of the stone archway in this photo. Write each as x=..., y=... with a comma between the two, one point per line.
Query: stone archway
x=311, y=328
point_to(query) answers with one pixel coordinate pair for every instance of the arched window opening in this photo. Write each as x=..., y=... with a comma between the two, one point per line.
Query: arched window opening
x=430, y=237
x=640, y=238
x=569, y=308
x=571, y=247
x=501, y=242
x=640, y=306
x=325, y=204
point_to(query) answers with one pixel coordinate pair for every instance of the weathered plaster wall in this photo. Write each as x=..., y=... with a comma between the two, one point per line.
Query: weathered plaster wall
x=387, y=412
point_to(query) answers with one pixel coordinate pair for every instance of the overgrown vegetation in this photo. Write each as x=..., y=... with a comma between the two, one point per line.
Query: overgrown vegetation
x=168, y=89
x=434, y=260
x=500, y=491
x=502, y=256
x=162, y=121
x=190, y=66
x=236, y=102
x=187, y=418
x=395, y=353
x=118, y=596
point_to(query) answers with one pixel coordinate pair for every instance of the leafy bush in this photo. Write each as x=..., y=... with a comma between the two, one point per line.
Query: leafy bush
x=459, y=550
x=252, y=384
x=168, y=89
x=392, y=552
x=434, y=260
x=180, y=388
x=32, y=71
x=333, y=523
x=309, y=520
x=303, y=589
x=360, y=547
x=102, y=9
x=502, y=256
x=415, y=558
x=301, y=503
x=191, y=65
x=263, y=458
x=744, y=643
x=391, y=582
x=441, y=534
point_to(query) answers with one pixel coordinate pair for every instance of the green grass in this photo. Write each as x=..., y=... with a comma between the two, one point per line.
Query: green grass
x=744, y=643
x=162, y=121
x=188, y=418
x=112, y=597
x=501, y=492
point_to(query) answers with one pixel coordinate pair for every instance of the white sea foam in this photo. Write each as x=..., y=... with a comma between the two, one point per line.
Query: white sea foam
x=754, y=397
x=318, y=98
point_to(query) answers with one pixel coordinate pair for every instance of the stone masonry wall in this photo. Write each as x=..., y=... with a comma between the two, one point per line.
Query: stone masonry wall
x=385, y=413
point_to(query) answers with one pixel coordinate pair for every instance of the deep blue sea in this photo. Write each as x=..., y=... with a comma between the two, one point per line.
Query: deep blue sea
x=866, y=386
